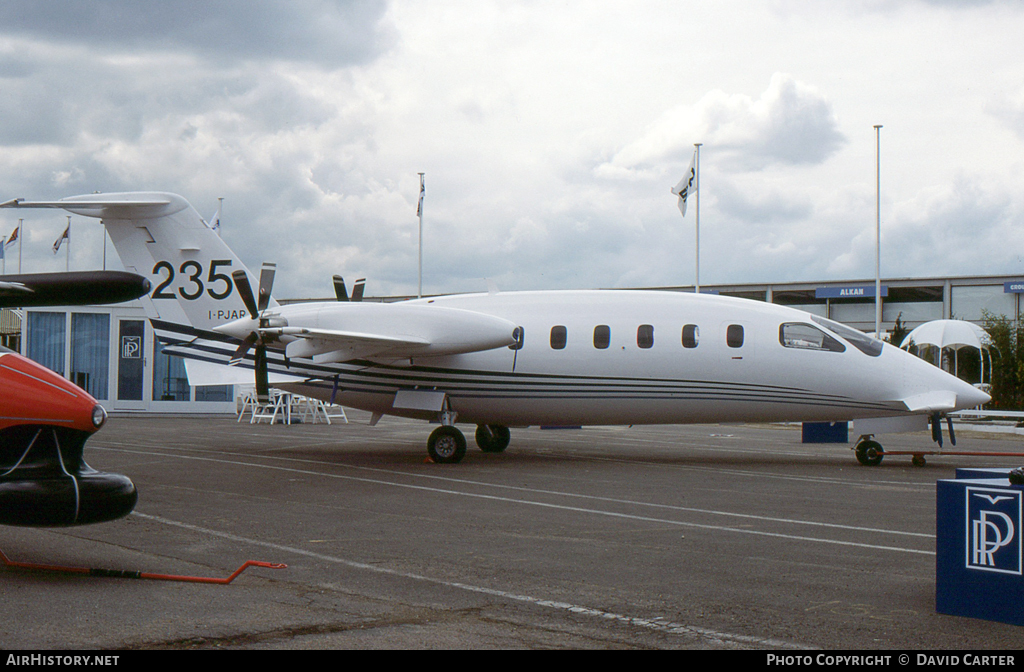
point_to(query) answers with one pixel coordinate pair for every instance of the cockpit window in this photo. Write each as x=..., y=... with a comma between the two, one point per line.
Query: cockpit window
x=807, y=337
x=858, y=339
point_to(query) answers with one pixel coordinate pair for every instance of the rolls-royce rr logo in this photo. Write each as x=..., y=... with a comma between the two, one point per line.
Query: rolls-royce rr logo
x=131, y=347
x=994, y=530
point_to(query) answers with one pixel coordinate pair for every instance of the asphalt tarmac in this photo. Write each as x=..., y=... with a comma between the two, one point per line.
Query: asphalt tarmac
x=688, y=537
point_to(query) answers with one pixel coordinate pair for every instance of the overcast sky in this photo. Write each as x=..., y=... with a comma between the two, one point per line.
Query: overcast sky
x=550, y=133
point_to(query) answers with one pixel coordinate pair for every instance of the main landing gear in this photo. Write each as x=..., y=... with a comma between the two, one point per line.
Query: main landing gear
x=447, y=444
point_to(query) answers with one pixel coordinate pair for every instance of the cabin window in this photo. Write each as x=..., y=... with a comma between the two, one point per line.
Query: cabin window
x=866, y=344
x=734, y=336
x=558, y=337
x=807, y=337
x=645, y=336
x=517, y=334
x=690, y=336
x=602, y=336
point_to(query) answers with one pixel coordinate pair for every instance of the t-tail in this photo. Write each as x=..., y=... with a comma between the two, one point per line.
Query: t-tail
x=160, y=236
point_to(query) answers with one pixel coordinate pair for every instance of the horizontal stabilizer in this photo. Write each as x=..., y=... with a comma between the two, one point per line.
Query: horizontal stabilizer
x=937, y=401
x=210, y=373
x=129, y=205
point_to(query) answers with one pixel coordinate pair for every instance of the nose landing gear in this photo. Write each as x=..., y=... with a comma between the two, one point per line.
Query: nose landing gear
x=868, y=452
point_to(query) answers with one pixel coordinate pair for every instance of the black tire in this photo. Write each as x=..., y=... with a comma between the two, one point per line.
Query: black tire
x=446, y=445
x=869, y=453
x=493, y=438
x=918, y=460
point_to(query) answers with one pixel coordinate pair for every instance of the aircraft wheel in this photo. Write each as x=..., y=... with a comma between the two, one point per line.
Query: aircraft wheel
x=492, y=438
x=917, y=460
x=869, y=453
x=446, y=445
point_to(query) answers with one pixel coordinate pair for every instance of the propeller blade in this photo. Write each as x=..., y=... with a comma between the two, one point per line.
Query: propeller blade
x=266, y=284
x=245, y=291
x=339, y=288
x=243, y=348
x=262, y=384
x=952, y=436
x=936, y=429
x=357, y=289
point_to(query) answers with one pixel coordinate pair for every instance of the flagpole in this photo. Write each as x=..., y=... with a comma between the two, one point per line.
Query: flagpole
x=419, y=211
x=21, y=237
x=878, y=233
x=3, y=252
x=696, y=282
x=67, y=251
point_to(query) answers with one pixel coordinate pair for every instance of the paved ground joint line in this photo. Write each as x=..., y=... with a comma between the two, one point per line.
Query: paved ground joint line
x=657, y=624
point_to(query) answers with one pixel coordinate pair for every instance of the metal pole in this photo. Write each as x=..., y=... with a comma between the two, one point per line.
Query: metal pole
x=21, y=237
x=67, y=251
x=696, y=281
x=878, y=233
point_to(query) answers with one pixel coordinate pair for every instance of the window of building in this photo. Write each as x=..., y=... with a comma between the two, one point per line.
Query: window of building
x=734, y=336
x=558, y=337
x=602, y=336
x=90, y=353
x=170, y=382
x=46, y=332
x=806, y=337
x=215, y=393
x=691, y=335
x=645, y=336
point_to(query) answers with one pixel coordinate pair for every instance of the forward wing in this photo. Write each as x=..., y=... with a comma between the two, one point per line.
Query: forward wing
x=931, y=402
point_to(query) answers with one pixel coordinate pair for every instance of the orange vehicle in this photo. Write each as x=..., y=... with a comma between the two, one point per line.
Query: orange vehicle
x=45, y=421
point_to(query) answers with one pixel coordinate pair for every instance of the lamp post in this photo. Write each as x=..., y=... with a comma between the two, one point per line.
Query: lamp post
x=878, y=233
x=419, y=213
x=696, y=281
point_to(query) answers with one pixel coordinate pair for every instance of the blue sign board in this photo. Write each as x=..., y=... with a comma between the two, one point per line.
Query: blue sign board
x=980, y=551
x=850, y=292
x=1013, y=287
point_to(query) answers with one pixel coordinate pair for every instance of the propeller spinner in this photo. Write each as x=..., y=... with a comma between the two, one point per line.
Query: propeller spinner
x=257, y=307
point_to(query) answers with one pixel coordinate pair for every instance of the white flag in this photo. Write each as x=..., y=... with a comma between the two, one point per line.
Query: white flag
x=687, y=185
x=423, y=192
x=64, y=236
x=215, y=222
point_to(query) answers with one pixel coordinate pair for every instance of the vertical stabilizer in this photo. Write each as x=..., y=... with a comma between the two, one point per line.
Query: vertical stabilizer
x=163, y=238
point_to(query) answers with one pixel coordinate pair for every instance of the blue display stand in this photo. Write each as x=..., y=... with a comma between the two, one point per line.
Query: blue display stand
x=825, y=432
x=979, y=568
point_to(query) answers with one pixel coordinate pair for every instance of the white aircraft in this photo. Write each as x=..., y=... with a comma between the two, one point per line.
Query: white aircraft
x=514, y=359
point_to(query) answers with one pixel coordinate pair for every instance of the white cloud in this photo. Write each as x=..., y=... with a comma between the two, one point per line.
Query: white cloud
x=790, y=123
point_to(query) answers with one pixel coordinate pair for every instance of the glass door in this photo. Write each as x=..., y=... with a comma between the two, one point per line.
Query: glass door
x=131, y=364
